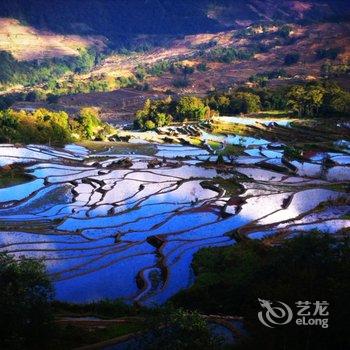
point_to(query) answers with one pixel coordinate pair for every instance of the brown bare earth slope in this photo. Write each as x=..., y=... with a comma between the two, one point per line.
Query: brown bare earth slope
x=120, y=105
x=27, y=43
x=305, y=40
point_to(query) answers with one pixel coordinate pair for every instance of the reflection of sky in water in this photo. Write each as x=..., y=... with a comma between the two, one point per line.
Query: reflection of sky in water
x=19, y=192
x=253, y=121
x=115, y=281
x=245, y=141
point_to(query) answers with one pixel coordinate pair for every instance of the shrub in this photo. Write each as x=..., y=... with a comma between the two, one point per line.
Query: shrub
x=149, y=125
x=291, y=58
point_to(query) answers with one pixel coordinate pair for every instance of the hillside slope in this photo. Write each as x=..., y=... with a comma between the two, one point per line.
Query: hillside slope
x=266, y=48
x=28, y=43
x=119, y=19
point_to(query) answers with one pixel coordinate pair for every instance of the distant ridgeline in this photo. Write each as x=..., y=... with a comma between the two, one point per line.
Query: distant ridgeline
x=119, y=20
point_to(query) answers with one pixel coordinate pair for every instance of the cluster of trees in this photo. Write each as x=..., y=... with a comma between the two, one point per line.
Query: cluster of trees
x=316, y=99
x=331, y=53
x=164, y=66
x=228, y=54
x=234, y=103
x=158, y=113
x=100, y=83
x=230, y=281
x=43, y=126
x=153, y=114
x=263, y=78
x=330, y=70
x=291, y=58
x=319, y=99
x=30, y=73
x=181, y=330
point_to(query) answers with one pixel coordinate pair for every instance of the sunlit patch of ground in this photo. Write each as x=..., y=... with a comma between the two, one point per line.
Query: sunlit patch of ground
x=27, y=43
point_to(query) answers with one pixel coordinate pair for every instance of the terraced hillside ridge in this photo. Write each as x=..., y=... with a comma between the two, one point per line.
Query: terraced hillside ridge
x=125, y=221
x=27, y=43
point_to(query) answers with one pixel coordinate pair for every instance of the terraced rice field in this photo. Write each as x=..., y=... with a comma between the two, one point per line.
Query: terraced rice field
x=112, y=225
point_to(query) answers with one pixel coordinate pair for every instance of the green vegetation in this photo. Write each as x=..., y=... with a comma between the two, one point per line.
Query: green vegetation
x=228, y=54
x=284, y=31
x=231, y=150
x=25, y=296
x=316, y=99
x=180, y=330
x=202, y=67
x=162, y=112
x=319, y=99
x=291, y=58
x=43, y=126
x=30, y=73
x=292, y=152
x=28, y=311
x=153, y=114
x=262, y=78
x=104, y=309
x=330, y=70
x=234, y=103
x=331, y=53
x=160, y=68
x=180, y=83
x=191, y=108
x=313, y=267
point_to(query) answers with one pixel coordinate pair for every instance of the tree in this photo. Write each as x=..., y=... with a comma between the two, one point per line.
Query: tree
x=162, y=119
x=306, y=100
x=149, y=125
x=52, y=98
x=285, y=31
x=336, y=101
x=291, y=58
x=178, y=329
x=192, y=108
x=202, y=67
x=153, y=114
x=90, y=121
x=245, y=102
x=35, y=95
x=25, y=295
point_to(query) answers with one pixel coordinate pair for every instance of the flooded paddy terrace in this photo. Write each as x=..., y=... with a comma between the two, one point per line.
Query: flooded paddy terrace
x=124, y=221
